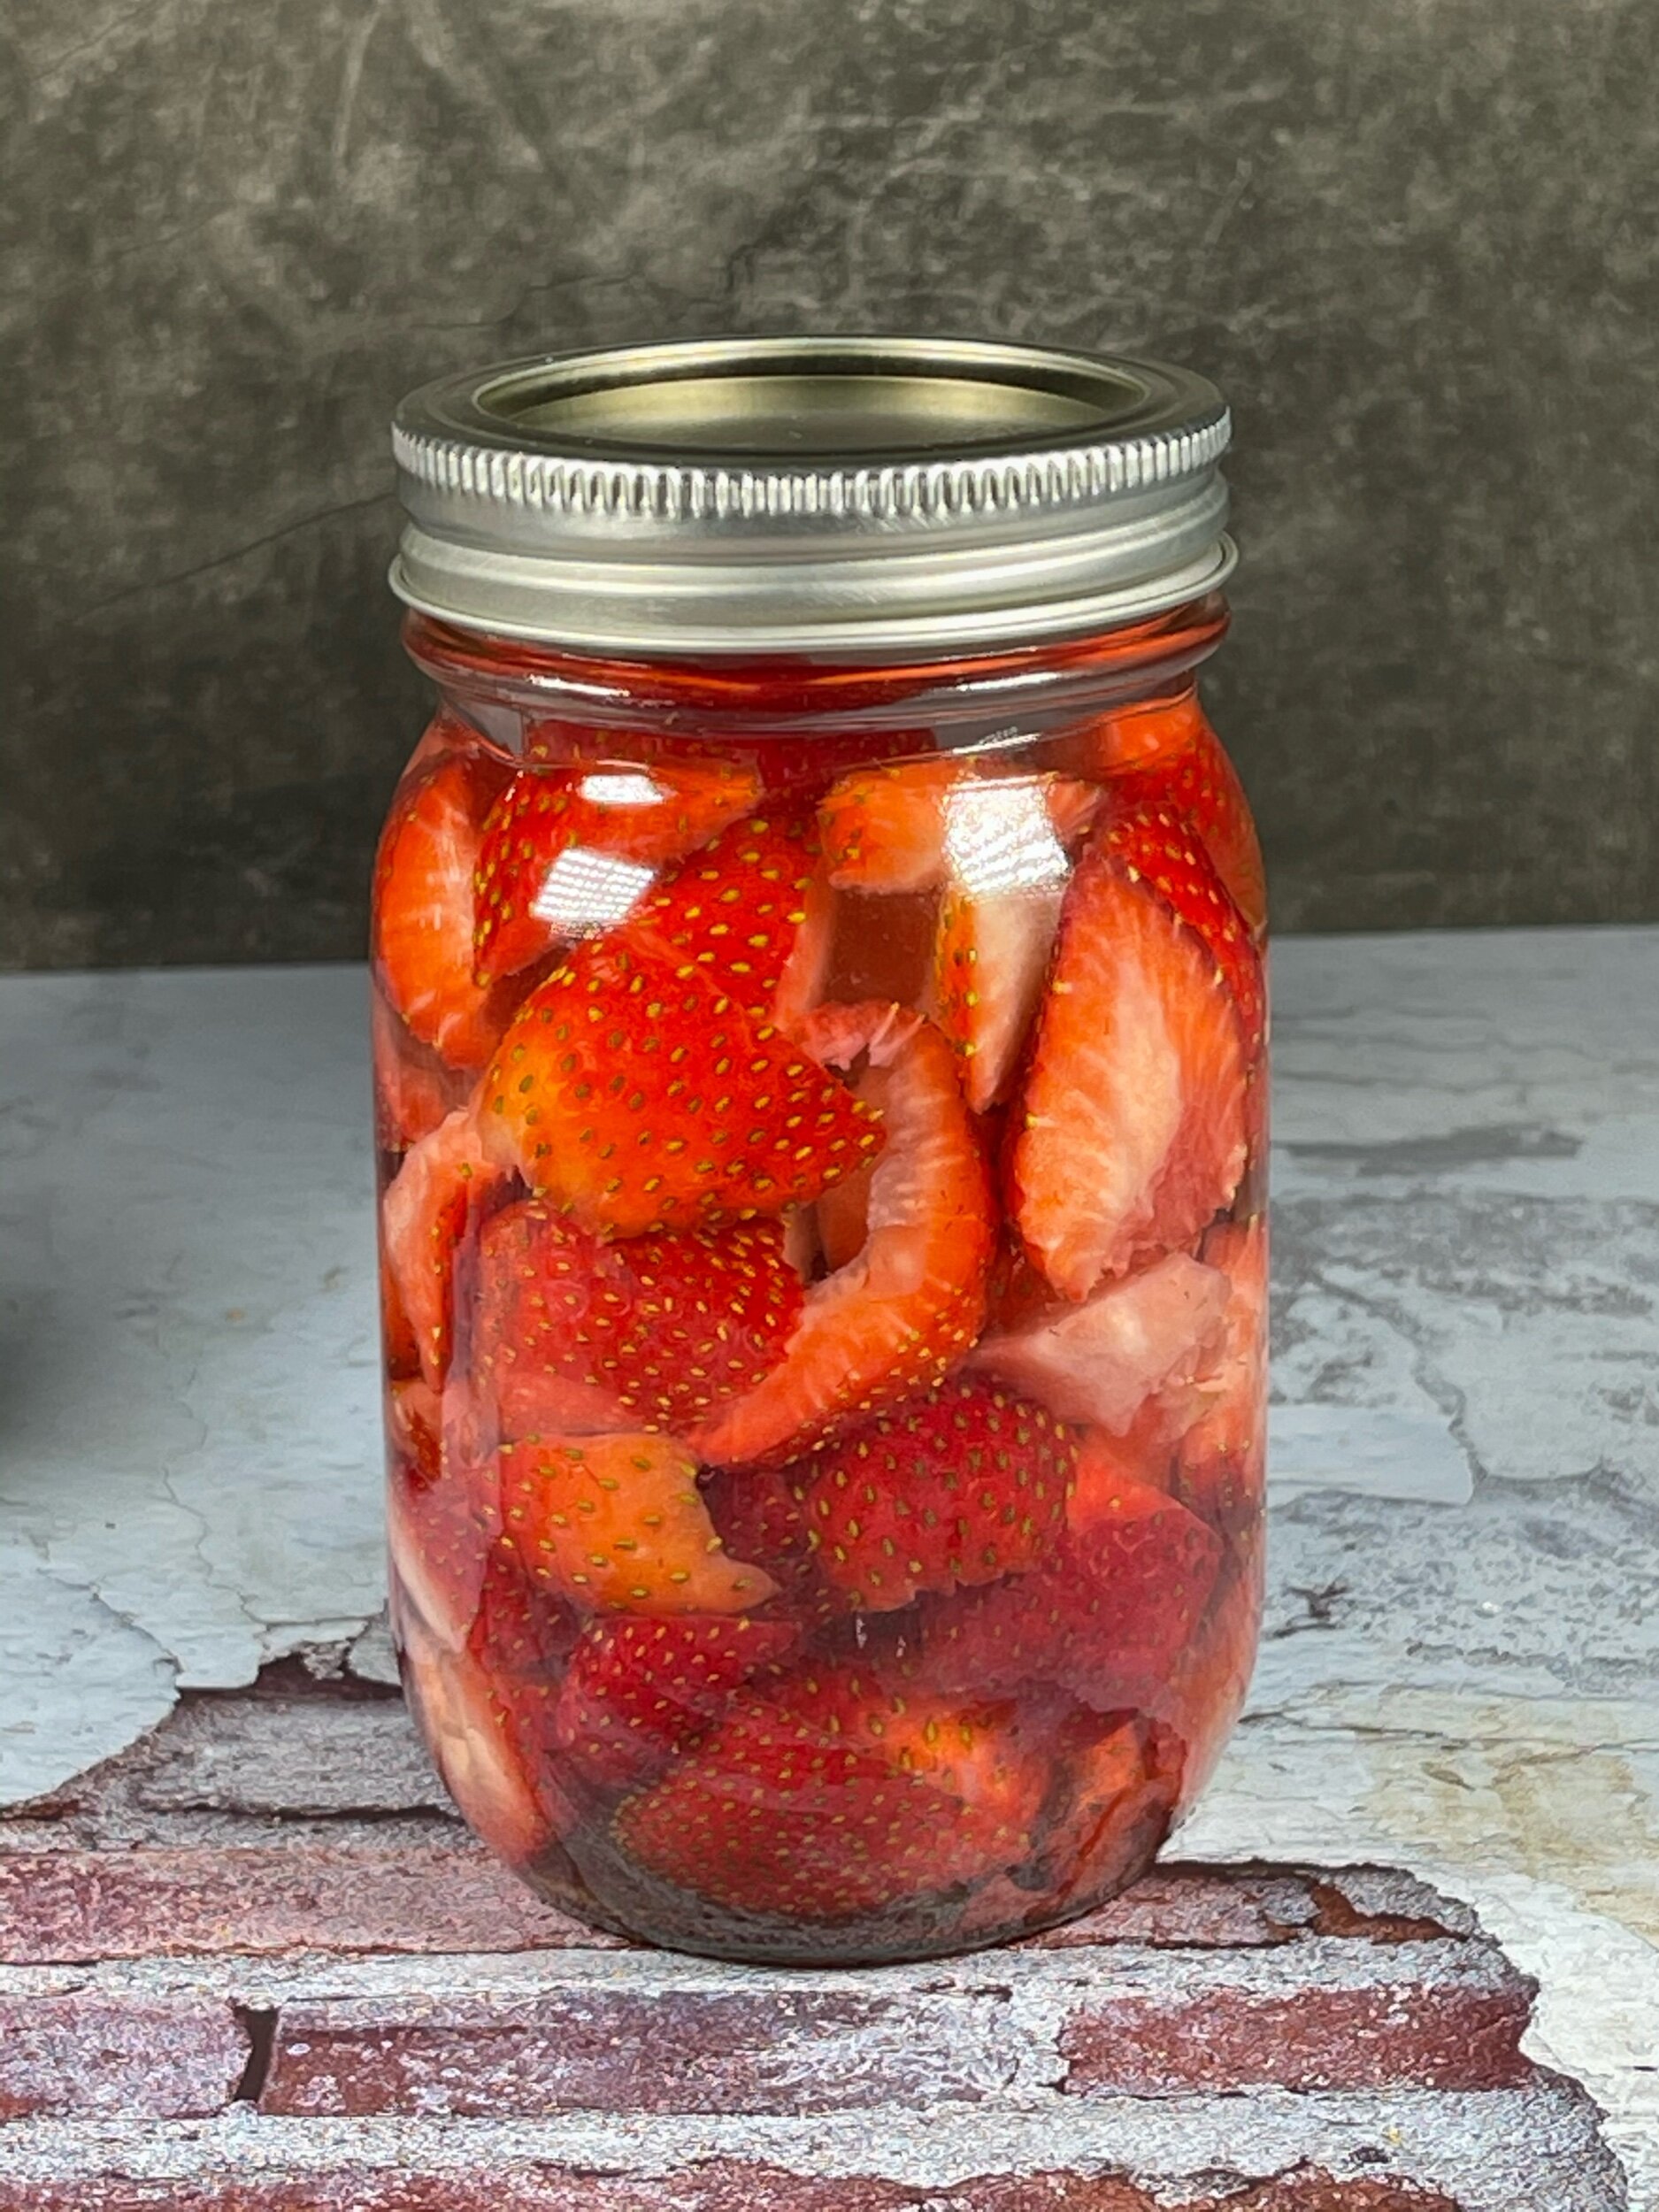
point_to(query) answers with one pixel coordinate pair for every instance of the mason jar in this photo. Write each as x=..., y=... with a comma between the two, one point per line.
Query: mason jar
x=820, y=1087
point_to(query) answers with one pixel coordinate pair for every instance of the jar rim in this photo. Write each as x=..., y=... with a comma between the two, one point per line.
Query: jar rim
x=810, y=495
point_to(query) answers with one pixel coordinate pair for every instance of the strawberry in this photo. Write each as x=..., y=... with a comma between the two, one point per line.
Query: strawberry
x=617, y=1525
x=1132, y=737
x=832, y=1796
x=1155, y=1563
x=990, y=957
x=654, y=1333
x=636, y=1096
x=1007, y=871
x=640, y=1690
x=452, y=1566
x=895, y=1318
x=1131, y=1132
x=884, y=828
x=1105, y=1621
x=1219, y=1469
x=441, y=1191
x=961, y=1486
x=1110, y=1813
x=1201, y=784
x=487, y=1758
x=414, y=1430
x=565, y=852
x=750, y=913
x=758, y=1516
x=439, y=1540
x=1210, y=1680
x=908, y=827
x=1141, y=1342
x=413, y=1088
x=400, y=1350
x=423, y=908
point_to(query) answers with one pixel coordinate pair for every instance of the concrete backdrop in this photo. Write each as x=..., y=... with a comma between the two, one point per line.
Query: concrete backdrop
x=1414, y=239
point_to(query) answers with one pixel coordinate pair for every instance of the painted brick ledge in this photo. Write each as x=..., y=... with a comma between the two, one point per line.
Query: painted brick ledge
x=1531, y=2150
x=256, y=1963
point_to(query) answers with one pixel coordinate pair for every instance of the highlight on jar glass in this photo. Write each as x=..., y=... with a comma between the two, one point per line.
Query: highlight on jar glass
x=820, y=1087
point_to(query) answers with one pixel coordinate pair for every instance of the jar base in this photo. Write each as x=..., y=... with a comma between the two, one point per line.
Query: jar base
x=616, y=1899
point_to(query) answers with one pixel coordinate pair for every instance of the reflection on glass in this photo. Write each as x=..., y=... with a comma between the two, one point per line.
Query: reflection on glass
x=585, y=890
x=999, y=837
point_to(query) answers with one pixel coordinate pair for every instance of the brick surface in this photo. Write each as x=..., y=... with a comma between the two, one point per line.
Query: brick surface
x=719, y=2186
x=652, y=2034
x=309, y=1895
x=163, y=2058
x=1455, y=2037
x=209, y=2005
x=346, y=1890
x=770, y=2048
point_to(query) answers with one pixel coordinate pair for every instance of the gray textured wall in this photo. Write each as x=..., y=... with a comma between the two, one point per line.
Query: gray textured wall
x=1413, y=238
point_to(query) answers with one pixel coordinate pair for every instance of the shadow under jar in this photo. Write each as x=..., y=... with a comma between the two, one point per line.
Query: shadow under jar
x=820, y=1092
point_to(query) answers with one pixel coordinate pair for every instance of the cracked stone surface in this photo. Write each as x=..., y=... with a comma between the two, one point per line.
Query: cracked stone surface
x=1461, y=1671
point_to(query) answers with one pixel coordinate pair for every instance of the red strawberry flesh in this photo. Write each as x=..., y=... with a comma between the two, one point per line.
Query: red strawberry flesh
x=565, y=852
x=638, y=1690
x=1130, y=1134
x=423, y=908
x=961, y=1486
x=437, y=1197
x=1145, y=1340
x=896, y=1317
x=656, y=1332
x=832, y=1796
x=638, y=1096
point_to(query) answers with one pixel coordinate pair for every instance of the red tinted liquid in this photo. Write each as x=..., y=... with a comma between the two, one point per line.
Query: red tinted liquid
x=821, y=1116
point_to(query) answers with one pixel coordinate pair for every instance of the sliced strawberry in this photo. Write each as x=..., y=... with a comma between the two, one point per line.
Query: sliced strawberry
x=1105, y=1622
x=544, y=869
x=617, y=1525
x=990, y=957
x=832, y=1796
x=750, y=913
x=1110, y=1812
x=481, y=1749
x=908, y=827
x=443, y=1190
x=423, y=908
x=439, y=1540
x=1199, y=783
x=963, y=1485
x=758, y=1517
x=400, y=1351
x=1220, y=1468
x=896, y=1317
x=639, y=1690
x=413, y=1088
x=1133, y=1127
x=636, y=1097
x=656, y=1332
x=414, y=1429
x=1210, y=1680
x=1154, y=1561
x=1143, y=1341
x=1133, y=735
x=1006, y=870
x=884, y=828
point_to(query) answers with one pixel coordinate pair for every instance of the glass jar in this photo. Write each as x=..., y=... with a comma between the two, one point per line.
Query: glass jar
x=820, y=1094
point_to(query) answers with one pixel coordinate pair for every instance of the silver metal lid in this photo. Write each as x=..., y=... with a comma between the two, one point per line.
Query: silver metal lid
x=826, y=495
